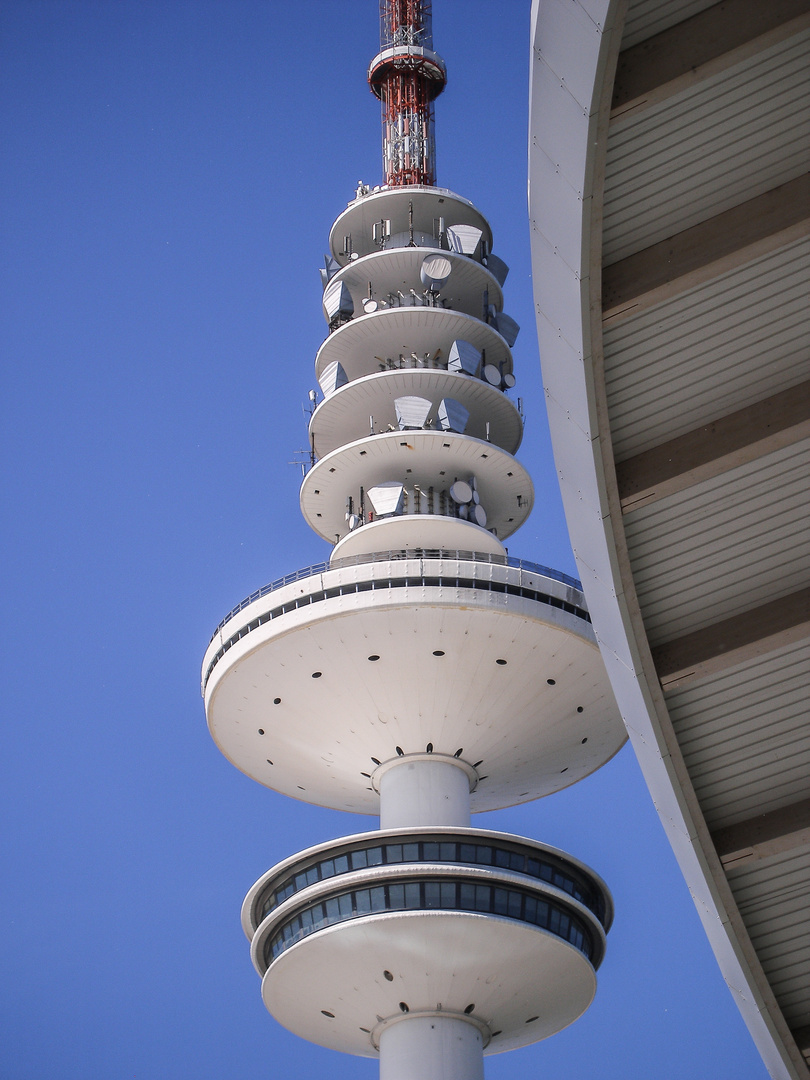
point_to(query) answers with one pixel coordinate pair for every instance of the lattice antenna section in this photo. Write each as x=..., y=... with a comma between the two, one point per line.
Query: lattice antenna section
x=407, y=76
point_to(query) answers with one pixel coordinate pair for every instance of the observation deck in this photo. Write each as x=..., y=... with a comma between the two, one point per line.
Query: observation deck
x=425, y=912
x=313, y=685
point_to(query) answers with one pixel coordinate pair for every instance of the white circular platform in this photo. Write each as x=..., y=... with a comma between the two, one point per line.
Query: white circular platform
x=397, y=270
x=392, y=204
x=345, y=415
x=524, y=983
x=364, y=345
x=417, y=532
x=306, y=702
x=425, y=458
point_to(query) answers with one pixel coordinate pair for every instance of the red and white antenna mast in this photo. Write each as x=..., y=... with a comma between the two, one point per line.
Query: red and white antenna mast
x=407, y=77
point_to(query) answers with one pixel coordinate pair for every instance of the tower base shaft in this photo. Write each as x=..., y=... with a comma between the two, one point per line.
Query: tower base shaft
x=431, y=1048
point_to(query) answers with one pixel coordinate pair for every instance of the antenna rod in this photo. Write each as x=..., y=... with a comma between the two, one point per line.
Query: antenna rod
x=407, y=77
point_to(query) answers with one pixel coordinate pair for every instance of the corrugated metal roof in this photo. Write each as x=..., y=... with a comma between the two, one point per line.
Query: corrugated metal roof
x=744, y=735
x=724, y=546
x=709, y=148
x=771, y=895
x=708, y=352
x=648, y=17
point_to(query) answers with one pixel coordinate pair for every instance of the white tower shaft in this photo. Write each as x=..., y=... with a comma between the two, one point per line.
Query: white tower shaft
x=431, y=1048
x=421, y=792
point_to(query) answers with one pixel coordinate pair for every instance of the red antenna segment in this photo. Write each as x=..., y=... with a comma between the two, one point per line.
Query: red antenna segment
x=407, y=77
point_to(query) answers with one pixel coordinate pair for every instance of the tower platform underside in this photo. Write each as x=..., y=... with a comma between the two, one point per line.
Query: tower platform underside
x=329, y=677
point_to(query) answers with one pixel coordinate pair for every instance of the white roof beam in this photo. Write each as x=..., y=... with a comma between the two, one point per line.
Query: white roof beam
x=733, y=641
x=704, y=252
x=704, y=45
x=715, y=448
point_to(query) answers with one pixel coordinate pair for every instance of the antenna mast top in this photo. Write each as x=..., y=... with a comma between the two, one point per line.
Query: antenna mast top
x=407, y=77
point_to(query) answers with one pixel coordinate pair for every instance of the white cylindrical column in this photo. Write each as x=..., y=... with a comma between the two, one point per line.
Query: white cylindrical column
x=422, y=792
x=431, y=1048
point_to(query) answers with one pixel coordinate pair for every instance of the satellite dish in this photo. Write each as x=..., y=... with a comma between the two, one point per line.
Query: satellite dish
x=463, y=239
x=497, y=267
x=509, y=381
x=476, y=498
x=464, y=357
x=354, y=521
x=462, y=513
x=479, y=516
x=332, y=378
x=452, y=415
x=436, y=269
x=369, y=306
x=507, y=328
x=386, y=498
x=492, y=375
x=412, y=412
x=461, y=492
x=337, y=300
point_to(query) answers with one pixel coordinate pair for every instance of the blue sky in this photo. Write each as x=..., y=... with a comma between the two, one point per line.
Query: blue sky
x=169, y=175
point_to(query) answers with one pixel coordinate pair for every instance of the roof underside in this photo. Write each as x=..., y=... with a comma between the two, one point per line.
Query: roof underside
x=692, y=404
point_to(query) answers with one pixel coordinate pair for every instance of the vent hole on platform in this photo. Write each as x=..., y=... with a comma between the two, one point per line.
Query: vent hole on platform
x=551, y=682
x=261, y=731
x=564, y=770
x=400, y=751
x=301, y=788
x=276, y=700
x=532, y=1019
x=459, y=752
x=317, y=674
x=429, y=748
x=367, y=775
x=269, y=762
x=388, y=976
x=404, y=1006
x=366, y=1031
x=495, y=1033
x=501, y=662
x=327, y=1013
x=470, y=1008
x=438, y=652
x=584, y=740
x=373, y=657
x=477, y=763
x=580, y=709
x=376, y=760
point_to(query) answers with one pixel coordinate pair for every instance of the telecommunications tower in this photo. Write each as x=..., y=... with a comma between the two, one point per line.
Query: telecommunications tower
x=421, y=673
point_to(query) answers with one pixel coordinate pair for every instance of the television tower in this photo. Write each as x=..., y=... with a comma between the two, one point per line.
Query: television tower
x=421, y=673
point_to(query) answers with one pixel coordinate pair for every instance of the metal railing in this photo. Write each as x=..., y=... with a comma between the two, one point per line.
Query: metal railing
x=390, y=556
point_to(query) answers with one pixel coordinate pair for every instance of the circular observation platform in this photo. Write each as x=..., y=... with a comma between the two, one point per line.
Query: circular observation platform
x=314, y=685
x=395, y=273
x=429, y=206
x=344, y=416
x=502, y=931
x=423, y=459
x=408, y=337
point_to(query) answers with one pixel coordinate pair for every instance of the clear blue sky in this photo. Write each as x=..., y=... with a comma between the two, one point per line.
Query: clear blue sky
x=169, y=174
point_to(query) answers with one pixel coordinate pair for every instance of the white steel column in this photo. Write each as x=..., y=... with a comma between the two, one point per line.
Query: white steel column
x=431, y=1048
x=423, y=792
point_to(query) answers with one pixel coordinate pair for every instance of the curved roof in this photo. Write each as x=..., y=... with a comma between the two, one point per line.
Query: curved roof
x=670, y=204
